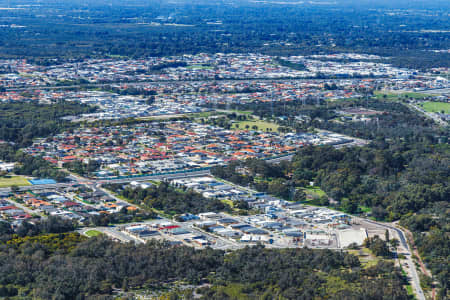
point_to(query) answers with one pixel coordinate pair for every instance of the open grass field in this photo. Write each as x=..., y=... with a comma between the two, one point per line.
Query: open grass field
x=365, y=209
x=199, y=67
x=92, y=233
x=228, y=202
x=241, y=112
x=393, y=96
x=410, y=291
x=366, y=258
x=261, y=125
x=204, y=114
x=13, y=180
x=314, y=191
x=437, y=107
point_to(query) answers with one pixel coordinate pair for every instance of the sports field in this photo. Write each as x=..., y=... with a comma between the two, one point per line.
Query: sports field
x=393, y=96
x=437, y=107
x=13, y=180
x=92, y=233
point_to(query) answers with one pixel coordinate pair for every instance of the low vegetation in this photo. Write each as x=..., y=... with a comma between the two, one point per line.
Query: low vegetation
x=439, y=107
x=7, y=181
x=92, y=233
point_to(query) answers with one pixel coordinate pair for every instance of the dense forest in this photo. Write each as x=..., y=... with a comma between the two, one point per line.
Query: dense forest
x=394, y=121
x=401, y=171
x=168, y=199
x=21, y=122
x=103, y=28
x=431, y=227
x=402, y=174
x=402, y=181
x=262, y=176
x=67, y=266
x=51, y=225
x=121, y=217
x=393, y=180
x=29, y=165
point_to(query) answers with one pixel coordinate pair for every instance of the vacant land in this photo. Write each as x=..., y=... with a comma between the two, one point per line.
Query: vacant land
x=366, y=257
x=13, y=180
x=314, y=191
x=437, y=107
x=260, y=125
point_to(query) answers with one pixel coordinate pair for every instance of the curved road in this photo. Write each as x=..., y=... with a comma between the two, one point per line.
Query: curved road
x=79, y=180
x=412, y=267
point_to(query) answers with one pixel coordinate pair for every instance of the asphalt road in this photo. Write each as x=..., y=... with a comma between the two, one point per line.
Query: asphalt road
x=23, y=207
x=117, y=234
x=93, y=85
x=125, y=238
x=409, y=258
x=430, y=115
x=102, y=181
x=436, y=91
